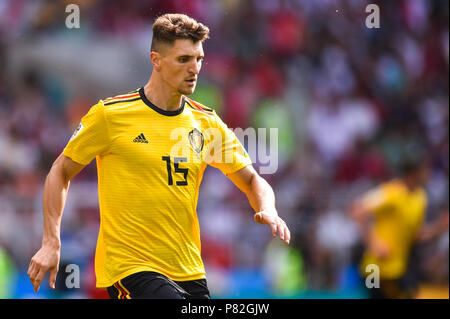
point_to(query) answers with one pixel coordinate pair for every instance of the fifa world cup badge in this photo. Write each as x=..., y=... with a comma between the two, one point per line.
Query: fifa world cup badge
x=78, y=129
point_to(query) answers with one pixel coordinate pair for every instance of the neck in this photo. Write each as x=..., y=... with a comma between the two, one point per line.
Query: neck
x=161, y=95
x=410, y=183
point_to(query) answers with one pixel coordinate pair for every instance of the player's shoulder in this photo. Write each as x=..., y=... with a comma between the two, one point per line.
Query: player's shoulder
x=399, y=192
x=421, y=194
x=397, y=189
x=198, y=107
x=394, y=186
x=121, y=98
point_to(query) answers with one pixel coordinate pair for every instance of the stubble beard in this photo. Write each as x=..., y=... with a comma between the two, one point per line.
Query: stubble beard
x=186, y=91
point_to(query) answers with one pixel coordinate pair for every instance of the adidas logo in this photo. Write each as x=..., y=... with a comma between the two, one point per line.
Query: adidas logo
x=140, y=139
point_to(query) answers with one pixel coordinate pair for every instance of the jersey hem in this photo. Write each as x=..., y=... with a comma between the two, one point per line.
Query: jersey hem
x=105, y=284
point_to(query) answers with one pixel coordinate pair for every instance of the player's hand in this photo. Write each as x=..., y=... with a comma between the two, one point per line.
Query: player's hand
x=380, y=248
x=277, y=225
x=443, y=221
x=46, y=259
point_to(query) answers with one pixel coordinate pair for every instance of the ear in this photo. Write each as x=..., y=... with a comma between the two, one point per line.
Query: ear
x=156, y=57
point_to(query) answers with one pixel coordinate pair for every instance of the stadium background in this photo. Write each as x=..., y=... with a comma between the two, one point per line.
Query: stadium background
x=349, y=102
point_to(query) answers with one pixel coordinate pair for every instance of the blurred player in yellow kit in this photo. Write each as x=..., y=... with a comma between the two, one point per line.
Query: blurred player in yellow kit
x=390, y=218
x=149, y=240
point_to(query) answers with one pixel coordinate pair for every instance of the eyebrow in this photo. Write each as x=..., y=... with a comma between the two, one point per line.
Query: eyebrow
x=190, y=56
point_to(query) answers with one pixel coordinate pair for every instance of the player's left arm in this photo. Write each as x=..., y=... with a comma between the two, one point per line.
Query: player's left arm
x=434, y=229
x=262, y=199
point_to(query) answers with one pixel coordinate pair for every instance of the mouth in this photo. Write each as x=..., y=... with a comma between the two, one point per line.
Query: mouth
x=191, y=81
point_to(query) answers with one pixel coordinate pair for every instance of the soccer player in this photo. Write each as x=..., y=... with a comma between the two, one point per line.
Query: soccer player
x=390, y=218
x=149, y=239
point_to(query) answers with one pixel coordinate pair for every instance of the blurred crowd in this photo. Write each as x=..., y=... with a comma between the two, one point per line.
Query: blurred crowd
x=349, y=103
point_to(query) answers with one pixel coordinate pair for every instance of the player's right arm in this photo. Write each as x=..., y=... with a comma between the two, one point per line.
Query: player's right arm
x=55, y=194
x=363, y=211
x=90, y=139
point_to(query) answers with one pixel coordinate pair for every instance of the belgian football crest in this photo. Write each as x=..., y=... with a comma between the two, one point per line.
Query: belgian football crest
x=196, y=139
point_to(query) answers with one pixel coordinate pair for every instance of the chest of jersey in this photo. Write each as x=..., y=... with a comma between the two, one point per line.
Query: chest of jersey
x=411, y=209
x=403, y=217
x=168, y=148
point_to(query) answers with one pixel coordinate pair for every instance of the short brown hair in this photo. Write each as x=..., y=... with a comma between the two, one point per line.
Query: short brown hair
x=172, y=26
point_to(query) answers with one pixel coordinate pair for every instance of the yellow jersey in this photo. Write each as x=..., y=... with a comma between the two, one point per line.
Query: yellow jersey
x=150, y=164
x=398, y=213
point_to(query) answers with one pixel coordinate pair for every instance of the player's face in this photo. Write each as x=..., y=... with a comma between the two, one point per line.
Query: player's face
x=424, y=174
x=181, y=64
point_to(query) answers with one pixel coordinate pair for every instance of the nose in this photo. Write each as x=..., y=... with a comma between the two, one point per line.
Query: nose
x=195, y=67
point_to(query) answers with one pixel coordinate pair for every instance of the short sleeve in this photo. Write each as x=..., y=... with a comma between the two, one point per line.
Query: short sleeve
x=379, y=199
x=90, y=137
x=227, y=152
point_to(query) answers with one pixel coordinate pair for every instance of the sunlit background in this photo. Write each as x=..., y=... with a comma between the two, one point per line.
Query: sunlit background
x=349, y=103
